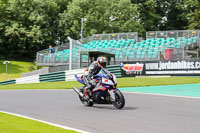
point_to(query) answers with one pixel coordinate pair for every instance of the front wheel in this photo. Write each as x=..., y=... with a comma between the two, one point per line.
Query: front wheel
x=119, y=100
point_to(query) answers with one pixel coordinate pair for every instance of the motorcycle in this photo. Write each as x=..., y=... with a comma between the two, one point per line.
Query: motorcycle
x=105, y=92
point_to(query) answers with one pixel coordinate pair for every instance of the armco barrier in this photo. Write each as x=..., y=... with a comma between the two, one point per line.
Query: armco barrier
x=115, y=69
x=69, y=75
x=56, y=76
x=28, y=79
x=8, y=82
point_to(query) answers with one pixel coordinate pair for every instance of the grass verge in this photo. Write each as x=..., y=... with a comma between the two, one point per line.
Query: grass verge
x=14, y=124
x=15, y=68
x=122, y=82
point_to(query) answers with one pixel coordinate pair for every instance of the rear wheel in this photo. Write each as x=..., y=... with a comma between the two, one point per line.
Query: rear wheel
x=119, y=100
x=85, y=102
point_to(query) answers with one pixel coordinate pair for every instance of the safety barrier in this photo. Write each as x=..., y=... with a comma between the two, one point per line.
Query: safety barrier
x=55, y=76
x=58, y=76
x=8, y=82
x=115, y=69
x=28, y=79
x=69, y=75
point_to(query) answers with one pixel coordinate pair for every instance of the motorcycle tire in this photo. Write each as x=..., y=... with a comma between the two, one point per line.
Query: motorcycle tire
x=119, y=100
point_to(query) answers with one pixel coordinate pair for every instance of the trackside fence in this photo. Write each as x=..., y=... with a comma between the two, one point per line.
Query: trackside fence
x=115, y=69
x=58, y=76
x=28, y=79
x=8, y=82
x=50, y=77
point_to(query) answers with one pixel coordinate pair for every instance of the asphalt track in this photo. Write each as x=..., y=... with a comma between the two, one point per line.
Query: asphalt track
x=142, y=113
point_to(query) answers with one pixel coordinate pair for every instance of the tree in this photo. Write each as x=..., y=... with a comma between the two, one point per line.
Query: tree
x=173, y=13
x=194, y=15
x=103, y=16
x=165, y=14
x=28, y=26
x=125, y=17
x=148, y=15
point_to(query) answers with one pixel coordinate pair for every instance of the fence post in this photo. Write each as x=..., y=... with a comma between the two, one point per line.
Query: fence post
x=70, y=52
x=183, y=52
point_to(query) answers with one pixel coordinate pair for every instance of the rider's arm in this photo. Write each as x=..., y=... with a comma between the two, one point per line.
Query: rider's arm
x=108, y=74
x=90, y=72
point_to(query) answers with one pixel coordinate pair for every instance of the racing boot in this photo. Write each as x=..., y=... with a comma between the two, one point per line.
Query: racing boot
x=87, y=93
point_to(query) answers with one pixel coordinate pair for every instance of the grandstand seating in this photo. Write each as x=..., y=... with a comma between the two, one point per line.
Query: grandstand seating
x=126, y=49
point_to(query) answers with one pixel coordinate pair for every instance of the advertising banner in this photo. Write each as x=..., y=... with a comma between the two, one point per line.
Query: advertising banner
x=174, y=68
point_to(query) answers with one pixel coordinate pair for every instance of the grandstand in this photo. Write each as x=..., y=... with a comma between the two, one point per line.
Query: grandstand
x=126, y=47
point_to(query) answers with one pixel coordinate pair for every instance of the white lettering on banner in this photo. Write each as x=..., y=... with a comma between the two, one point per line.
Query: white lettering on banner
x=172, y=65
x=197, y=64
x=172, y=72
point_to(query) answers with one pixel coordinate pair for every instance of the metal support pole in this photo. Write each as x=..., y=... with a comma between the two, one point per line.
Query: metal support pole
x=80, y=49
x=183, y=52
x=81, y=30
x=37, y=58
x=82, y=20
x=70, y=53
x=6, y=62
x=6, y=72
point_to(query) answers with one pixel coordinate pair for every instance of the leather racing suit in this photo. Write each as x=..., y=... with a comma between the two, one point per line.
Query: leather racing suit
x=93, y=69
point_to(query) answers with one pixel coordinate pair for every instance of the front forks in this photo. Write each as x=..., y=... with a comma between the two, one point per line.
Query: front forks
x=112, y=95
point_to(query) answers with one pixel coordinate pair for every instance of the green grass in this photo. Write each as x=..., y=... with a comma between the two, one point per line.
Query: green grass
x=122, y=82
x=43, y=85
x=14, y=124
x=15, y=68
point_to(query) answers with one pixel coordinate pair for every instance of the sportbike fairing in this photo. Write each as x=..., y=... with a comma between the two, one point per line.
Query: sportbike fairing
x=105, y=91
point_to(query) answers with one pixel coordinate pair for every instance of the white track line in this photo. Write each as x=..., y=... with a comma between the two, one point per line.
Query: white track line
x=49, y=123
x=162, y=95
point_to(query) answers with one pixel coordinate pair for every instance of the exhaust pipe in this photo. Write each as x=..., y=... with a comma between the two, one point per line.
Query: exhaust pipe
x=78, y=92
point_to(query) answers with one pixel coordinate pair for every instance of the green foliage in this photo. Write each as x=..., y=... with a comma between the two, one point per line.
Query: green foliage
x=28, y=26
x=173, y=13
x=15, y=68
x=148, y=15
x=125, y=17
x=103, y=16
x=163, y=14
x=194, y=15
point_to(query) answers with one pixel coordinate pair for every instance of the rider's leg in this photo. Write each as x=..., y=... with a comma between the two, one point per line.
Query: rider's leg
x=81, y=89
x=87, y=91
x=87, y=88
x=90, y=85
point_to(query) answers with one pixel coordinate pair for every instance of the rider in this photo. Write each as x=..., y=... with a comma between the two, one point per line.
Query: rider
x=93, y=69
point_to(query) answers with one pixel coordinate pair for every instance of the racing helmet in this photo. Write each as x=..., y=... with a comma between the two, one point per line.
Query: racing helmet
x=102, y=61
